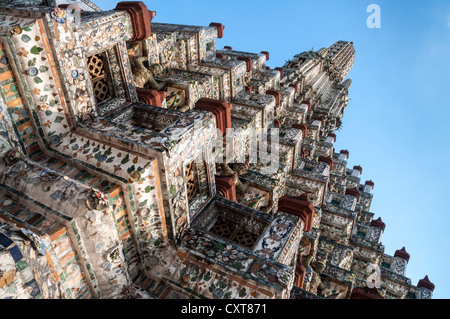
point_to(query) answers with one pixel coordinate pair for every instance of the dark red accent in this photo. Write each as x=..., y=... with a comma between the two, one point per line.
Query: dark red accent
x=307, y=103
x=303, y=153
x=266, y=54
x=370, y=183
x=426, y=283
x=227, y=47
x=365, y=293
x=267, y=68
x=276, y=94
x=346, y=153
x=219, y=27
x=359, y=168
x=318, y=119
x=141, y=18
x=298, y=206
x=150, y=96
x=281, y=71
x=300, y=271
x=226, y=186
x=402, y=254
x=276, y=123
x=353, y=192
x=378, y=223
x=302, y=127
x=220, y=56
x=221, y=109
x=294, y=86
x=248, y=62
x=248, y=89
x=333, y=136
x=327, y=160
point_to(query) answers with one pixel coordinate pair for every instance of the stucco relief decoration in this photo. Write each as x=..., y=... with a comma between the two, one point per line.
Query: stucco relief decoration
x=12, y=156
x=59, y=15
x=96, y=200
x=275, y=236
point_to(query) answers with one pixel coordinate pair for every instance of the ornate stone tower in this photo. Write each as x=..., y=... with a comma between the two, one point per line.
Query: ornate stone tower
x=132, y=165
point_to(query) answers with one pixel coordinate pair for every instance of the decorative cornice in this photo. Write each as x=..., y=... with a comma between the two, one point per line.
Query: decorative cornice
x=226, y=186
x=219, y=27
x=307, y=103
x=333, y=136
x=276, y=94
x=150, y=96
x=141, y=18
x=248, y=62
x=327, y=160
x=294, y=86
x=267, y=54
x=298, y=206
x=353, y=192
x=281, y=71
x=221, y=110
x=301, y=127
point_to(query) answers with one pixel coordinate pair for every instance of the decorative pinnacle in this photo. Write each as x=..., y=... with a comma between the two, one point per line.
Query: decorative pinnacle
x=402, y=254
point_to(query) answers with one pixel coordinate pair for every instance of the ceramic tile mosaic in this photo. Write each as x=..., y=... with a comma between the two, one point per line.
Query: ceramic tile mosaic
x=117, y=199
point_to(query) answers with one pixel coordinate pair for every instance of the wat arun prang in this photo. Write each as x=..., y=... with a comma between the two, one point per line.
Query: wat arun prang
x=114, y=180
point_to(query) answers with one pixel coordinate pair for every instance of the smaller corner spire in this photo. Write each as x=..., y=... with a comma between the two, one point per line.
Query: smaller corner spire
x=426, y=283
x=378, y=223
x=402, y=254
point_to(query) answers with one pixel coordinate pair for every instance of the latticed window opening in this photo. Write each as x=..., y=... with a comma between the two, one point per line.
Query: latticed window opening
x=309, y=167
x=361, y=234
x=234, y=232
x=100, y=78
x=335, y=202
x=411, y=295
x=385, y=265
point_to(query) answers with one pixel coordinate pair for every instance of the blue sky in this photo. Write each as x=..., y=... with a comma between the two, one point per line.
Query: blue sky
x=397, y=123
